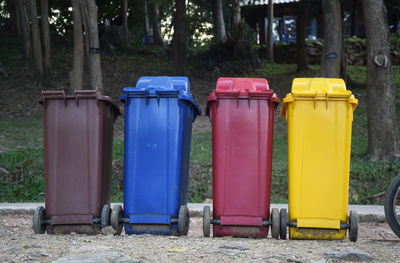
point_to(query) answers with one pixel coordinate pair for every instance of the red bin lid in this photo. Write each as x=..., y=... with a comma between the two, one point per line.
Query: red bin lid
x=242, y=88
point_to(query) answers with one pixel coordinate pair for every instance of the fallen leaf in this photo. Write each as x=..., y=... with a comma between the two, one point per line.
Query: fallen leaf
x=174, y=250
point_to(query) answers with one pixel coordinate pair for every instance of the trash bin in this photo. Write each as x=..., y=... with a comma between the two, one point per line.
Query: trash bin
x=159, y=113
x=319, y=115
x=241, y=111
x=78, y=143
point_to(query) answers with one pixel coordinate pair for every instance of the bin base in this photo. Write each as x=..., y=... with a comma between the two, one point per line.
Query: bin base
x=93, y=229
x=155, y=229
x=240, y=231
x=317, y=233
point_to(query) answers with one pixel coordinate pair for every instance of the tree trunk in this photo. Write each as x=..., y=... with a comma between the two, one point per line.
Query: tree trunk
x=46, y=38
x=302, y=64
x=11, y=8
x=89, y=15
x=157, y=36
x=270, y=39
x=180, y=38
x=146, y=24
x=25, y=26
x=124, y=14
x=18, y=18
x=382, y=117
x=76, y=74
x=332, y=52
x=37, y=44
x=219, y=23
x=236, y=13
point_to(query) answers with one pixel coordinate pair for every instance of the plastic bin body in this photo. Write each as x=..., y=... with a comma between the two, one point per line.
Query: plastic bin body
x=319, y=115
x=78, y=141
x=158, y=125
x=242, y=114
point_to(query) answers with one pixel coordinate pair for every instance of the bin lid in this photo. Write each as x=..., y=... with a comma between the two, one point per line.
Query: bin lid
x=318, y=89
x=161, y=87
x=79, y=95
x=242, y=88
x=313, y=87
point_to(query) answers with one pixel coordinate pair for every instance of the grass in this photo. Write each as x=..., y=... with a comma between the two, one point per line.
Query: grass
x=21, y=152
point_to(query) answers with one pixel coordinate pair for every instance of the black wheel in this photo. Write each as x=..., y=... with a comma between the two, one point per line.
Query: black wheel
x=105, y=216
x=275, y=223
x=206, y=221
x=116, y=214
x=283, y=216
x=183, y=221
x=353, y=230
x=39, y=227
x=392, y=205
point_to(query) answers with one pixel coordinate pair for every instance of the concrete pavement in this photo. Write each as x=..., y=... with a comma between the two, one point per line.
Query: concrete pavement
x=367, y=213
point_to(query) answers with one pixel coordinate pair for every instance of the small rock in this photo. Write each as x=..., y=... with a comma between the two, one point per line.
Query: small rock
x=105, y=257
x=109, y=230
x=276, y=259
x=318, y=261
x=295, y=260
x=349, y=255
x=43, y=253
x=239, y=247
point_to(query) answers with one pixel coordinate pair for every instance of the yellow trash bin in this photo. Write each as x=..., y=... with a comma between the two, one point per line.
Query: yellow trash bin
x=319, y=115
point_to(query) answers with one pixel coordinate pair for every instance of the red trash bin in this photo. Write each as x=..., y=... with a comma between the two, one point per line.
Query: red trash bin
x=242, y=114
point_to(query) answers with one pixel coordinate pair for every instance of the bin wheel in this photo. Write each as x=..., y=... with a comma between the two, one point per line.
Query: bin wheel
x=275, y=223
x=206, y=221
x=392, y=199
x=39, y=227
x=353, y=230
x=116, y=214
x=105, y=216
x=283, y=216
x=183, y=221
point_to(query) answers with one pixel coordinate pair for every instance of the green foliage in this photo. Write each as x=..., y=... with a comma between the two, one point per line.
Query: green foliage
x=117, y=187
x=357, y=73
x=200, y=179
x=368, y=179
x=22, y=175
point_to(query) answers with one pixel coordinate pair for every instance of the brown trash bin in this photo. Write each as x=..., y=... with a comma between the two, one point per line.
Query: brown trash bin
x=78, y=143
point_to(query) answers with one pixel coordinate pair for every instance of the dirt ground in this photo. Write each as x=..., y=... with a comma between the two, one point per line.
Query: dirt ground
x=19, y=244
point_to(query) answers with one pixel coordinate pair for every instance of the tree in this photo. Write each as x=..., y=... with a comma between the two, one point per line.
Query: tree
x=180, y=38
x=37, y=44
x=25, y=26
x=382, y=123
x=236, y=13
x=76, y=74
x=270, y=40
x=302, y=64
x=155, y=10
x=332, y=53
x=219, y=23
x=124, y=15
x=146, y=24
x=88, y=10
x=45, y=37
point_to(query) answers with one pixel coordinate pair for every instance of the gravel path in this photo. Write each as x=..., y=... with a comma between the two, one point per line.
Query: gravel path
x=19, y=244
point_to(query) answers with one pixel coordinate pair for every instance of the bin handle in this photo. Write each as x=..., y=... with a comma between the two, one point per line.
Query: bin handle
x=53, y=92
x=86, y=92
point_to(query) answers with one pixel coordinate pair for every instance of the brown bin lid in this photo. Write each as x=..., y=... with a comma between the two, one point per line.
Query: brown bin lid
x=78, y=94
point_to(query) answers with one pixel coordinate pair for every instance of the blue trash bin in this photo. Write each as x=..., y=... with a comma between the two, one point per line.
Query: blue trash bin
x=158, y=126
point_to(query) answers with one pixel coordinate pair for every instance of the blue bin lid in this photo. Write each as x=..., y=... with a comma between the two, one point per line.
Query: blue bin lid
x=161, y=87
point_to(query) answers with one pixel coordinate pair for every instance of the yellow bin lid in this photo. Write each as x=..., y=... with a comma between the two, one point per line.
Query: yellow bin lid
x=318, y=89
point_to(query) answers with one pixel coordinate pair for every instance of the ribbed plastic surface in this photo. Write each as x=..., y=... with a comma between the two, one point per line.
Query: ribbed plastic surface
x=319, y=114
x=242, y=114
x=158, y=125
